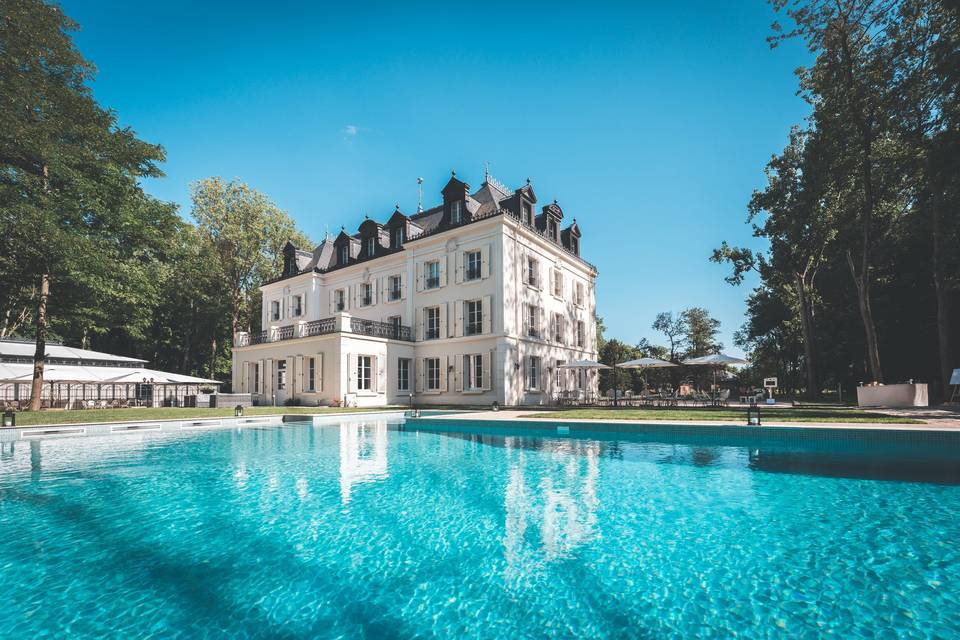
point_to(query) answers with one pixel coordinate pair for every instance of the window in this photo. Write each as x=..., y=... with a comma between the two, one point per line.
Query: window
x=340, y=299
x=296, y=304
x=552, y=230
x=432, y=328
x=527, y=213
x=395, y=326
x=371, y=246
x=473, y=265
x=581, y=331
x=533, y=271
x=395, y=290
x=533, y=321
x=473, y=312
x=366, y=294
x=473, y=372
x=533, y=373
x=558, y=378
x=256, y=377
x=578, y=294
x=455, y=212
x=311, y=374
x=275, y=310
x=558, y=283
x=432, y=274
x=403, y=374
x=364, y=370
x=396, y=237
x=574, y=246
x=281, y=375
x=343, y=254
x=557, y=328
x=432, y=381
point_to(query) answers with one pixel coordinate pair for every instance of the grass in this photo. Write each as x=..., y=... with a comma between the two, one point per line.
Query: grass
x=88, y=416
x=728, y=415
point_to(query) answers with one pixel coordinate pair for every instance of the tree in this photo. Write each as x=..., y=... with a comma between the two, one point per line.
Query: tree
x=675, y=331
x=700, y=332
x=68, y=172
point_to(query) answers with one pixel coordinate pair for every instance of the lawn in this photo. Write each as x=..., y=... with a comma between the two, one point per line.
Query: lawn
x=726, y=415
x=87, y=416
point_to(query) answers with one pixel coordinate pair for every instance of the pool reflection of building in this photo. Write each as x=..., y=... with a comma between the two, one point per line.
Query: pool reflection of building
x=363, y=454
x=555, y=492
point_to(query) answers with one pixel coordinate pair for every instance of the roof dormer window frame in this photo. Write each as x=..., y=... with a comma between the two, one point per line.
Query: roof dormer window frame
x=343, y=254
x=370, y=246
x=456, y=212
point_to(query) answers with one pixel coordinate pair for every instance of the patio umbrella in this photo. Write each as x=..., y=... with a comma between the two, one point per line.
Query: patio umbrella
x=645, y=363
x=716, y=361
x=583, y=364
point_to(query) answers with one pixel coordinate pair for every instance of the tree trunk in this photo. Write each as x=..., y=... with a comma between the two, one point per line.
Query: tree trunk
x=40, y=355
x=940, y=287
x=806, y=328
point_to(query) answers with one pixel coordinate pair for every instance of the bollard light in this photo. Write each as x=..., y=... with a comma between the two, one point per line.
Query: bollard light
x=495, y=406
x=9, y=418
x=238, y=410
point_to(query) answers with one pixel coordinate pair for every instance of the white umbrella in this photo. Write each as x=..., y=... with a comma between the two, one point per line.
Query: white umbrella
x=645, y=363
x=716, y=361
x=583, y=364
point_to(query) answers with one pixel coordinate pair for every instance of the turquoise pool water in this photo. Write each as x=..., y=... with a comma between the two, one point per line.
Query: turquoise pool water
x=364, y=530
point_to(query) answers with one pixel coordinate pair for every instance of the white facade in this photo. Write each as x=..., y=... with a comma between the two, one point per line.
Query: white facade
x=466, y=315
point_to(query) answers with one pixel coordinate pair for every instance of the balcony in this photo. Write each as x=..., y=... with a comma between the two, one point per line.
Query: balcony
x=324, y=326
x=433, y=283
x=380, y=329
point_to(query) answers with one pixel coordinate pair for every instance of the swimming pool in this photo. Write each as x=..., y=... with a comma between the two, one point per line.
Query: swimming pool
x=369, y=529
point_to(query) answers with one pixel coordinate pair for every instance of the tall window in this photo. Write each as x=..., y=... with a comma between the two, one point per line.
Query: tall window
x=396, y=237
x=364, y=373
x=574, y=246
x=256, y=377
x=275, y=310
x=455, y=212
x=557, y=328
x=473, y=312
x=432, y=374
x=371, y=246
x=473, y=372
x=395, y=326
x=394, y=291
x=533, y=321
x=432, y=274
x=340, y=299
x=528, y=213
x=533, y=271
x=343, y=254
x=297, y=304
x=403, y=374
x=558, y=283
x=581, y=330
x=473, y=264
x=552, y=230
x=533, y=373
x=578, y=294
x=281, y=375
x=432, y=323
x=558, y=379
x=311, y=374
x=367, y=294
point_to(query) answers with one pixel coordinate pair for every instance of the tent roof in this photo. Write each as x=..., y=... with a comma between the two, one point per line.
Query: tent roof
x=26, y=349
x=14, y=372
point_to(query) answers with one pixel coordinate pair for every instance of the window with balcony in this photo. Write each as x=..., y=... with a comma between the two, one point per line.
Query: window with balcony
x=533, y=272
x=275, y=310
x=403, y=374
x=296, y=306
x=472, y=372
x=473, y=314
x=431, y=329
x=340, y=299
x=366, y=294
x=473, y=264
x=395, y=325
x=394, y=289
x=432, y=274
x=364, y=373
x=432, y=377
x=456, y=212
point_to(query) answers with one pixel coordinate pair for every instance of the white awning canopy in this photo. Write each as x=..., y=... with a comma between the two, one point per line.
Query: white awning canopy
x=15, y=372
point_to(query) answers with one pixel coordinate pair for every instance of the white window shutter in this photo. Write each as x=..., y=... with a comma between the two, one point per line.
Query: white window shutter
x=487, y=314
x=485, y=260
x=403, y=286
x=458, y=318
x=298, y=380
x=553, y=327
x=443, y=374
x=458, y=373
x=333, y=306
x=526, y=372
x=539, y=276
x=443, y=270
x=379, y=366
x=487, y=382
x=346, y=298
x=458, y=271
x=543, y=322
x=384, y=283
x=443, y=320
x=553, y=279
x=419, y=276
x=374, y=289
x=419, y=327
x=260, y=368
x=351, y=373
x=419, y=376
x=318, y=372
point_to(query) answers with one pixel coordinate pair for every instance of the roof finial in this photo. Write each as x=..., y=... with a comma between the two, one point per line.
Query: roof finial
x=486, y=171
x=528, y=182
x=397, y=207
x=419, y=195
x=453, y=172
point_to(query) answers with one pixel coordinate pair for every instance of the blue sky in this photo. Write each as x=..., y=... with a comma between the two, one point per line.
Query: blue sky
x=649, y=122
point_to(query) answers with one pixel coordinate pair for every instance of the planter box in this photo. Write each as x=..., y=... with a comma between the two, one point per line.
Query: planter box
x=893, y=395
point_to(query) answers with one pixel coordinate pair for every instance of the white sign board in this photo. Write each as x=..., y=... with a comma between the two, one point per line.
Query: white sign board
x=770, y=383
x=955, y=377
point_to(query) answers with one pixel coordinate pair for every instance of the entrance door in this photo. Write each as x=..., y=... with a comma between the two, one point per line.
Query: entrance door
x=281, y=381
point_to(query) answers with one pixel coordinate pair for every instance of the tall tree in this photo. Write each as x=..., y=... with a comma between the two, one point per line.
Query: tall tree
x=674, y=329
x=700, y=332
x=67, y=170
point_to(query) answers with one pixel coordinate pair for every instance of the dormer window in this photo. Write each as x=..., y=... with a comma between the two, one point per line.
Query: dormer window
x=396, y=237
x=343, y=254
x=527, y=213
x=371, y=247
x=456, y=214
x=574, y=245
x=552, y=230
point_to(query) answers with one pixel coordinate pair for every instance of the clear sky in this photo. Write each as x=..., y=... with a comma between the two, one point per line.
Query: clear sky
x=649, y=122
